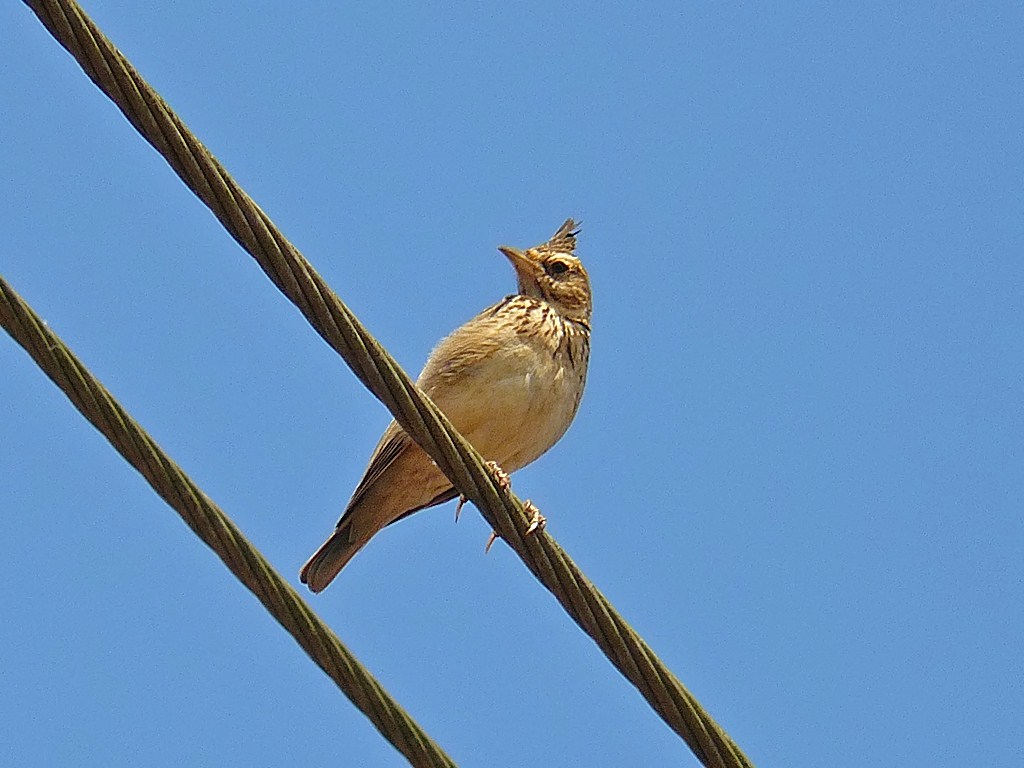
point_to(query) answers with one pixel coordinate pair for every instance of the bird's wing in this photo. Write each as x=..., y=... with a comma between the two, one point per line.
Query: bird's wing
x=392, y=444
x=441, y=498
x=457, y=355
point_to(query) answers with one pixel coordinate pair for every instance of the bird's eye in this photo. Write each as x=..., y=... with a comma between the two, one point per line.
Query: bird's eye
x=557, y=268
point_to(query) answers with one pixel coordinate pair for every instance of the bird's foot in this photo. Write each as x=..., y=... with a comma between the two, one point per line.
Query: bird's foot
x=537, y=523
x=537, y=520
x=500, y=475
x=502, y=479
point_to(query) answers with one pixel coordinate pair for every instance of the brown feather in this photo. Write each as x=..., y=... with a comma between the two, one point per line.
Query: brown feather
x=510, y=380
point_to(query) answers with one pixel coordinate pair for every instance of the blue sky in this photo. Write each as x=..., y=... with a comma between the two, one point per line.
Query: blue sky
x=798, y=469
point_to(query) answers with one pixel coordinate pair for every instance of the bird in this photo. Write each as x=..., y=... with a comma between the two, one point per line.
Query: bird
x=510, y=380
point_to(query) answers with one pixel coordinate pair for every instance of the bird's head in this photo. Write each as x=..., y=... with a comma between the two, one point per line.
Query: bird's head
x=552, y=273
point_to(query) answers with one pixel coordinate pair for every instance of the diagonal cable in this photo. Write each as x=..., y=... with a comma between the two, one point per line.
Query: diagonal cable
x=217, y=530
x=378, y=371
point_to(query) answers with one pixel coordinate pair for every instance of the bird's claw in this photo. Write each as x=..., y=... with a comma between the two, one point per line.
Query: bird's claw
x=537, y=520
x=502, y=479
x=500, y=475
x=537, y=523
x=490, y=542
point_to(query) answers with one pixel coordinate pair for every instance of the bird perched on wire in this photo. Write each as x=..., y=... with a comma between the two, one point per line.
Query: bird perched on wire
x=510, y=380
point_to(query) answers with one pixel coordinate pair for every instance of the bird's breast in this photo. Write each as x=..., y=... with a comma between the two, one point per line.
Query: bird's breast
x=514, y=402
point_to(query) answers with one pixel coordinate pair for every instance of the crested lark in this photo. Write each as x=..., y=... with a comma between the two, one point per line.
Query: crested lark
x=510, y=380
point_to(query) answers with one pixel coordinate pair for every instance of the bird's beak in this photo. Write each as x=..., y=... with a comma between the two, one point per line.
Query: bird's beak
x=525, y=266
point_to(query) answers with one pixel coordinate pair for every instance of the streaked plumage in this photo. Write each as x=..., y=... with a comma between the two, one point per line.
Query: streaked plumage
x=510, y=380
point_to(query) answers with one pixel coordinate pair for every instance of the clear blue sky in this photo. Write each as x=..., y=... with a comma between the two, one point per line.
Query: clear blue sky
x=798, y=469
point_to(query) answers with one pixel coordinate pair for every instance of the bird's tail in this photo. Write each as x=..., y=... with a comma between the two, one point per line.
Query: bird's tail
x=333, y=555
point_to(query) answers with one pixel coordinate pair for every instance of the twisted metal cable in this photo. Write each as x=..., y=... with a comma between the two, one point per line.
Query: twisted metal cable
x=379, y=372
x=219, y=533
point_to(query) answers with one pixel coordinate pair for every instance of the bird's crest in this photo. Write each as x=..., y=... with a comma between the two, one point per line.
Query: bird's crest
x=563, y=241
